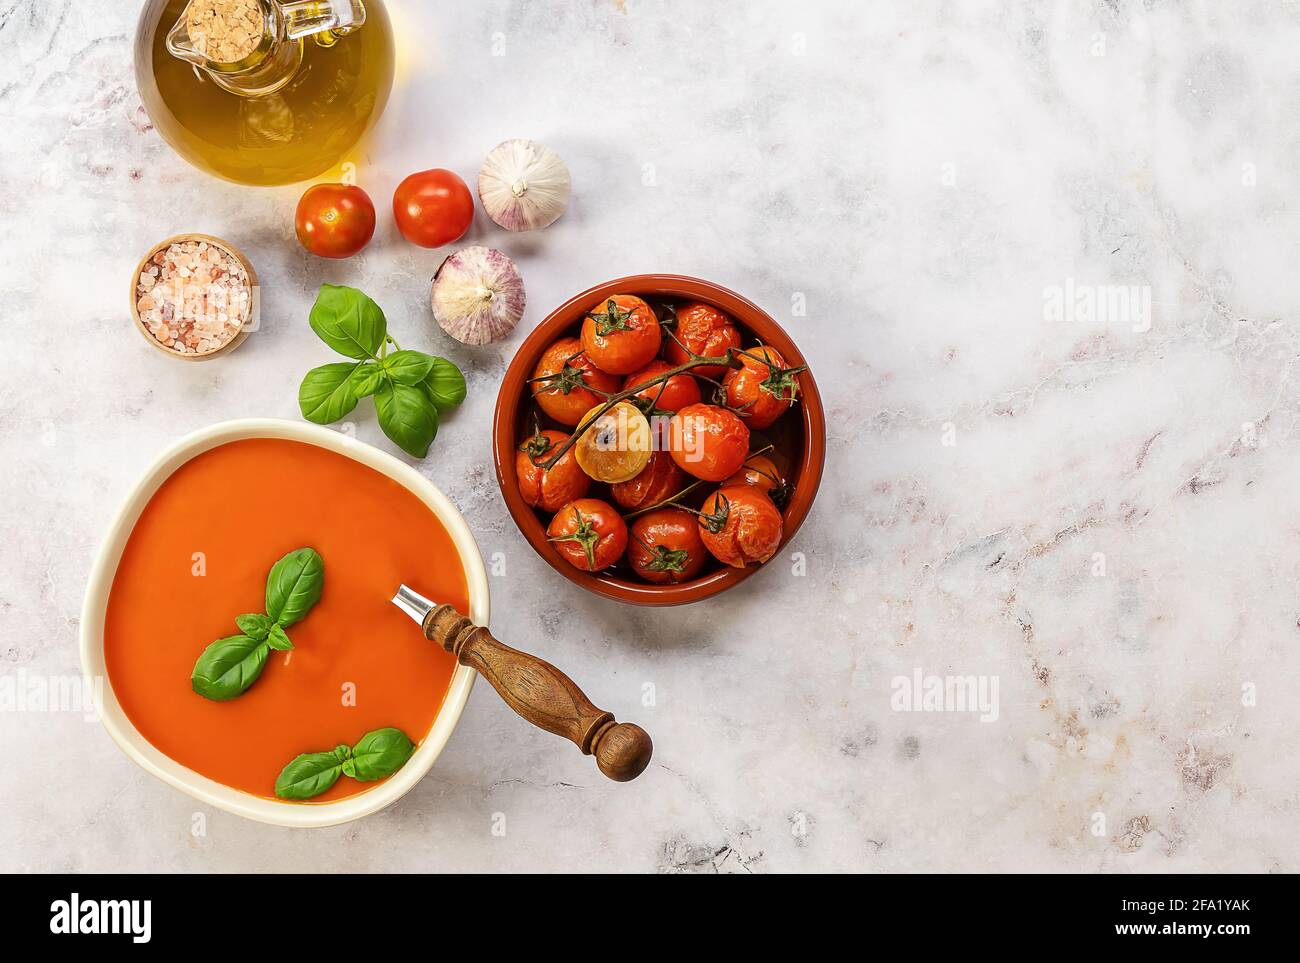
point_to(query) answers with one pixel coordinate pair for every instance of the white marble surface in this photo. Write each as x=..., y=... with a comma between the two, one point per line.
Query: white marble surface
x=1102, y=518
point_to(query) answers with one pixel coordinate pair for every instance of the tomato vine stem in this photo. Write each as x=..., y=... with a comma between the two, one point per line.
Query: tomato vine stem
x=670, y=500
x=730, y=361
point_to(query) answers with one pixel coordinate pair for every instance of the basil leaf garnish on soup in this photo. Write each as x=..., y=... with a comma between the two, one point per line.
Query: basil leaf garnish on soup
x=229, y=666
x=278, y=639
x=381, y=753
x=294, y=586
x=311, y=773
x=255, y=625
x=376, y=755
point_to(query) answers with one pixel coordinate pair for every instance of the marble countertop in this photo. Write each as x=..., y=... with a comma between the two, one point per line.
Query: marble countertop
x=1041, y=258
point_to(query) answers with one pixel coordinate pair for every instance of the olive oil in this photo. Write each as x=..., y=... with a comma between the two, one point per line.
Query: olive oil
x=334, y=92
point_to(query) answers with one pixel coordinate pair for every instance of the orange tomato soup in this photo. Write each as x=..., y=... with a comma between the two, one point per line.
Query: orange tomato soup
x=243, y=505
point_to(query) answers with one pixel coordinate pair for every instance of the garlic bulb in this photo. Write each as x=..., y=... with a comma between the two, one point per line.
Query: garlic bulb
x=478, y=295
x=524, y=185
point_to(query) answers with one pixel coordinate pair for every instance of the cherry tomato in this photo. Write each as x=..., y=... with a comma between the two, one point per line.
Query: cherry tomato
x=740, y=526
x=335, y=220
x=563, y=379
x=433, y=208
x=665, y=547
x=760, y=472
x=658, y=480
x=617, y=445
x=705, y=331
x=589, y=534
x=549, y=489
x=671, y=395
x=708, y=442
x=761, y=388
x=621, y=334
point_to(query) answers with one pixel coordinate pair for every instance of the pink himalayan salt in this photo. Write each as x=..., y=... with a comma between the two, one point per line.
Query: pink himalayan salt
x=193, y=297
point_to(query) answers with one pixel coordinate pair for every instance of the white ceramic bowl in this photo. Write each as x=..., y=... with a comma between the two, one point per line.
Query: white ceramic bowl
x=206, y=790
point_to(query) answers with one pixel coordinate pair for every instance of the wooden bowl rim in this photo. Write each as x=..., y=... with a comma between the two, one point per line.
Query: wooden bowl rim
x=511, y=395
x=253, y=287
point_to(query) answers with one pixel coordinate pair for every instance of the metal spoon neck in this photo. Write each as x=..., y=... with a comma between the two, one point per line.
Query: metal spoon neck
x=413, y=603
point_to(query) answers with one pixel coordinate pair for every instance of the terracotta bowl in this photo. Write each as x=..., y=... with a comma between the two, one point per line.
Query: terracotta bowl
x=802, y=441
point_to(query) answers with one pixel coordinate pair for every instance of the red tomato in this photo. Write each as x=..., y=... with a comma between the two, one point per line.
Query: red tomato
x=335, y=220
x=549, y=489
x=658, y=480
x=761, y=472
x=565, y=383
x=705, y=331
x=665, y=547
x=708, y=442
x=740, y=526
x=621, y=334
x=671, y=395
x=762, y=389
x=433, y=208
x=589, y=534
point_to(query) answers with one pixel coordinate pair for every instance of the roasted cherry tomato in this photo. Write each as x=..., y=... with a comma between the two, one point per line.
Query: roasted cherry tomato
x=672, y=395
x=589, y=534
x=761, y=472
x=433, y=208
x=549, y=488
x=565, y=382
x=740, y=526
x=705, y=331
x=762, y=389
x=708, y=442
x=335, y=220
x=658, y=480
x=665, y=547
x=621, y=334
x=617, y=446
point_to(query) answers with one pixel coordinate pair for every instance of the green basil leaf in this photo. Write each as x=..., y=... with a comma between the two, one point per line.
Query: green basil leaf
x=407, y=367
x=366, y=379
x=381, y=753
x=255, y=625
x=228, y=667
x=350, y=767
x=407, y=417
x=326, y=393
x=348, y=321
x=311, y=773
x=278, y=639
x=294, y=586
x=444, y=385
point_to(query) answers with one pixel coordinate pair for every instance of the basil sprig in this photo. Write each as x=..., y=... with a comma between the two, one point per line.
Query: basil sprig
x=378, y=754
x=411, y=389
x=229, y=666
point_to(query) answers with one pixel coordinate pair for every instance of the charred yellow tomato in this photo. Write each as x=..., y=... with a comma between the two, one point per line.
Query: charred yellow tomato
x=616, y=446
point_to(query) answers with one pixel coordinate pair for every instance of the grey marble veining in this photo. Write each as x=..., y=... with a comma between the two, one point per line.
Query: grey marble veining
x=1094, y=507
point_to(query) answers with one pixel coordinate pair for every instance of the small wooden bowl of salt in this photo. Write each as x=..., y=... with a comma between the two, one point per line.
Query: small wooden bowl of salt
x=194, y=297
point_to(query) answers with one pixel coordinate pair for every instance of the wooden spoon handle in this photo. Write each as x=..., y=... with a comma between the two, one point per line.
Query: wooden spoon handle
x=543, y=695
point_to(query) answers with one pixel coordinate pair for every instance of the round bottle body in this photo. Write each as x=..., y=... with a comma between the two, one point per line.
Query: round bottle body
x=294, y=134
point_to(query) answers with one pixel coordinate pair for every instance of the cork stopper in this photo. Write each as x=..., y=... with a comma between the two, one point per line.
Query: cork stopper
x=224, y=31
